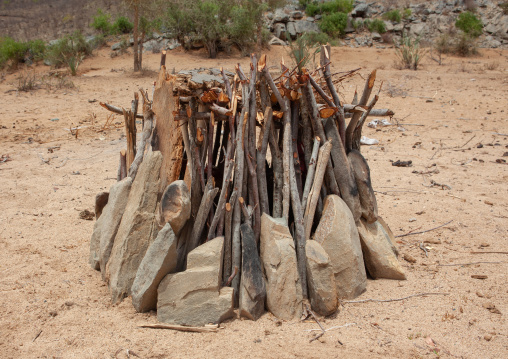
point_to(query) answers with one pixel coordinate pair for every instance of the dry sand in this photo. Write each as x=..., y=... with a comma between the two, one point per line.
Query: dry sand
x=53, y=305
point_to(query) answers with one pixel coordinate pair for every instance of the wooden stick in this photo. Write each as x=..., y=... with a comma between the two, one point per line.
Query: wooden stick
x=228, y=259
x=222, y=200
x=310, y=172
x=323, y=157
x=278, y=174
x=115, y=109
x=163, y=58
x=180, y=328
x=357, y=133
x=295, y=124
x=260, y=159
x=200, y=220
x=488, y=252
x=130, y=133
x=247, y=216
x=467, y=264
x=122, y=167
x=391, y=300
x=148, y=116
x=428, y=230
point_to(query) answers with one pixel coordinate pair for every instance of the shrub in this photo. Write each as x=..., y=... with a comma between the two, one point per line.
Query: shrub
x=11, y=51
x=443, y=44
x=409, y=53
x=122, y=25
x=377, y=25
x=36, y=49
x=70, y=51
x=312, y=9
x=470, y=24
x=101, y=22
x=407, y=13
x=27, y=81
x=393, y=15
x=465, y=46
x=334, y=24
x=329, y=7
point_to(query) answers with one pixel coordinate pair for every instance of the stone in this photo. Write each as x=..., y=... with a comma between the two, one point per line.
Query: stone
x=107, y=224
x=388, y=26
x=159, y=260
x=280, y=31
x=280, y=16
x=297, y=15
x=116, y=46
x=175, y=205
x=305, y=26
x=193, y=297
x=278, y=257
x=320, y=279
x=418, y=29
x=252, y=286
x=375, y=36
x=378, y=254
x=389, y=235
x=338, y=236
x=277, y=41
x=291, y=29
x=101, y=200
x=135, y=230
x=360, y=10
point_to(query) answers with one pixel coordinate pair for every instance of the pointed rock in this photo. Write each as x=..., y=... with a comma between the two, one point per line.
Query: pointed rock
x=389, y=235
x=159, y=260
x=278, y=257
x=175, y=205
x=107, y=224
x=322, y=288
x=338, y=236
x=135, y=231
x=193, y=297
x=380, y=260
x=252, y=286
x=361, y=174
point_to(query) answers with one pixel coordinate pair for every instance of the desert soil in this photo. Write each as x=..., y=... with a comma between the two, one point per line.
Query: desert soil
x=453, y=126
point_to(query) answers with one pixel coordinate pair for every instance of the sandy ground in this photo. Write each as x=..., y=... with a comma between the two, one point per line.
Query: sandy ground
x=53, y=305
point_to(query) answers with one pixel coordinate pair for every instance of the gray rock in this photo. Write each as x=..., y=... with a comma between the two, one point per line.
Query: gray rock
x=107, y=225
x=269, y=15
x=321, y=282
x=418, y=29
x=297, y=15
x=193, y=297
x=378, y=254
x=338, y=236
x=303, y=26
x=318, y=17
x=159, y=260
x=491, y=28
x=291, y=29
x=375, y=36
x=175, y=205
x=153, y=46
x=277, y=41
x=388, y=26
x=252, y=286
x=280, y=31
x=173, y=44
x=135, y=231
x=389, y=235
x=278, y=257
x=280, y=16
x=398, y=27
x=310, y=19
x=116, y=46
x=101, y=200
x=360, y=10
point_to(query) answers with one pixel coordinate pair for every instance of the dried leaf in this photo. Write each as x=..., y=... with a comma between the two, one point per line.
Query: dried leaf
x=328, y=112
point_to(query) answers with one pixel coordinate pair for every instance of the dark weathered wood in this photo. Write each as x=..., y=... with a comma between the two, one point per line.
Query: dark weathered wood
x=130, y=134
x=101, y=200
x=200, y=220
x=278, y=174
x=295, y=124
x=310, y=172
x=122, y=167
x=144, y=140
x=357, y=133
x=323, y=157
x=222, y=200
x=228, y=258
x=261, y=159
x=361, y=172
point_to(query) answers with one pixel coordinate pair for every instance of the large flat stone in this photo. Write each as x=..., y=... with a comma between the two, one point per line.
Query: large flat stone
x=193, y=297
x=278, y=257
x=107, y=224
x=135, y=231
x=175, y=207
x=320, y=279
x=159, y=260
x=380, y=259
x=338, y=235
x=252, y=286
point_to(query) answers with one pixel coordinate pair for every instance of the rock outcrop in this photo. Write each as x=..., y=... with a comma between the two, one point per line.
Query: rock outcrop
x=338, y=236
x=194, y=297
x=135, y=231
x=278, y=257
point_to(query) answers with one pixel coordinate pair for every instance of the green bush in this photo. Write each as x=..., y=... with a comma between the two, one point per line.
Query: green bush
x=11, y=51
x=393, y=15
x=334, y=24
x=329, y=7
x=470, y=24
x=69, y=51
x=407, y=13
x=101, y=22
x=377, y=25
x=122, y=25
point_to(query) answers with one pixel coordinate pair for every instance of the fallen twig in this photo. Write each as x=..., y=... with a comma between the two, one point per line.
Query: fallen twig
x=181, y=328
x=323, y=331
x=427, y=230
x=392, y=300
x=332, y=328
x=489, y=252
x=467, y=264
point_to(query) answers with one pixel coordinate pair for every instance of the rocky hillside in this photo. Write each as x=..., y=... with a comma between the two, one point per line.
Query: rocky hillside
x=427, y=19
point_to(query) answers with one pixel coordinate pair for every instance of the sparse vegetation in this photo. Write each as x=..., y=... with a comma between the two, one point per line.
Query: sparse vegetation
x=27, y=81
x=13, y=52
x=406, y=14
x=457, y=44
x=334, y=24
x=377, y=25
x=69, y=51
x=470, y=24
x=409, y=53
x=393, y=15
x=313, y=8
x=122, y=25
x=101, y=22
x=304, y=49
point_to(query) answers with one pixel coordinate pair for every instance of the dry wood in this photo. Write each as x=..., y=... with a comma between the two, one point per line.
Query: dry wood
x=130, y=133
x=310, y=172
x=181, y=328
x=380, y=112
x=427, y=230
x=117, y=110
x=261, y=158
x=278, y=174
x=200, y=220
x=145, y=136
x=122, y=167
x=295, y=124
x=163, y=58
x=247, y=215
x=228, y=259
x=357, y=133
x=361, y=174
x=222, y=200
x=323, y=157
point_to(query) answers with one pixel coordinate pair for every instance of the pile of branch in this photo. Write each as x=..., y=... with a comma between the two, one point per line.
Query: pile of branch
x=254, y=144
